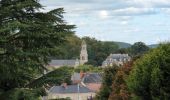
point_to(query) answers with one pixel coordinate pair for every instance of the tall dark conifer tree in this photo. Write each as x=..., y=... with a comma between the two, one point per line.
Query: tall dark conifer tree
x=28, y=37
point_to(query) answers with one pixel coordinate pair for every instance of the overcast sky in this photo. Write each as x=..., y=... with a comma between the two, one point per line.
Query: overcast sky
x=117, y=20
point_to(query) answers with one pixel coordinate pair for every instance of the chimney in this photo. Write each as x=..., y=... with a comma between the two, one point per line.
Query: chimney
x=64, y=85
x=81, y=74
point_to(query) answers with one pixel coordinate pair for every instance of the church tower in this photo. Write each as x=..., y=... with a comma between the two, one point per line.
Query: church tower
x=83, y=53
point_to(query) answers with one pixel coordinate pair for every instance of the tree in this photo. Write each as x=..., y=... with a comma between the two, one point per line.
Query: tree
x=23, y=94
x=87, y=68
x=149, y=79
x=106, y=88
x=138, y=49
x=28, y=38
x=99, y=50
x=73, y=45
x=55, y=77
x=119, y=87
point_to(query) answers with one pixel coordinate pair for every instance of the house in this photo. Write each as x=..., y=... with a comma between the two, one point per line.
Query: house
x=92, y=81
x=56, y=63
x=74, y=92
x=116, y=59
x=77, y=77
x=84, y=87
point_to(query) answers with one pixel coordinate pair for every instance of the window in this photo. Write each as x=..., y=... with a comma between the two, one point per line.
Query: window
x=83, y=58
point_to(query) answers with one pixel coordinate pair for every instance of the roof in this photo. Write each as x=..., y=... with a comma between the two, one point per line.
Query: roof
x=92, y=78
x=117, y=57
x=76, y=76
x=69, y=89
x=62, y=63
x=94, y=86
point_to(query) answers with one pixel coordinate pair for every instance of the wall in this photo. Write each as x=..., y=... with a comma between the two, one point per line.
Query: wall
x=73, y=96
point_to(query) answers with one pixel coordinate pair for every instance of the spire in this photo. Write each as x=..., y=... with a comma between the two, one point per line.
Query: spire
x=83, y=43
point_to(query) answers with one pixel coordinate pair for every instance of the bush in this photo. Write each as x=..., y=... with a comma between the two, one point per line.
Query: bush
x=87, y=68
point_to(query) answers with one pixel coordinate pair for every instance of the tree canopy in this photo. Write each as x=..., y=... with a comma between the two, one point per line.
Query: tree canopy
x=149, y=79
x=99, y=50
x=119, y=87
x=138, y=48
x=107, y=79
x=28, y=37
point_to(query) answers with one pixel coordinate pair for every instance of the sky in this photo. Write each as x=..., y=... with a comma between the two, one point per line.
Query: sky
x=117, y=20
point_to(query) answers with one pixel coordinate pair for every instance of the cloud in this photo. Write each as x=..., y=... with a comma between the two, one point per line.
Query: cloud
x=132, y=18
x=131, y=11
x=124, y=22
x=103, y=14
x=132, y=30
x=150, y=3
x=165, y=10
x=133, y=7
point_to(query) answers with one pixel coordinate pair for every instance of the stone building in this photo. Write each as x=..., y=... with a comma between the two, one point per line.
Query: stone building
x=56, y=63
x=116, y=59
x=90, y=80
x=84, y=87
x=74, y=92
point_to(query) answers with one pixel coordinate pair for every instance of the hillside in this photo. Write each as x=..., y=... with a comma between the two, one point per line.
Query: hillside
x=122, y=44
x=153, y=45
x=127, y=45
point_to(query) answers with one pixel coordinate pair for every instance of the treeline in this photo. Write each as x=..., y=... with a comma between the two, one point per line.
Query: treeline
x=97, y=50
x=144, y=78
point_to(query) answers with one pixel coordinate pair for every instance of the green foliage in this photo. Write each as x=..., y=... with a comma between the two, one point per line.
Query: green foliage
x=106, y=88
x=88, y=68
x=23, y=94
x=149, y=80
x=98, y=50
x=123, y=44
x=55, y=77
x=138, y=49
x=28, y=38
x=123, y=51
x=70, y=49
x=62, y=99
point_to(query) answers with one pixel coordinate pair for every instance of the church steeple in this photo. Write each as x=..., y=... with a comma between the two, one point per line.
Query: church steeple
x=83, y=53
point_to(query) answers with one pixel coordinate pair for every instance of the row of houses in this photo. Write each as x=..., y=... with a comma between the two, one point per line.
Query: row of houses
x=84, y=87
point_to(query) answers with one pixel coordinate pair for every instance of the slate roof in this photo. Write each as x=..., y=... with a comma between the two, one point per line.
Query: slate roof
x=69, y=89
x=62, y=63
x=92, y=78
x=118, y=56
